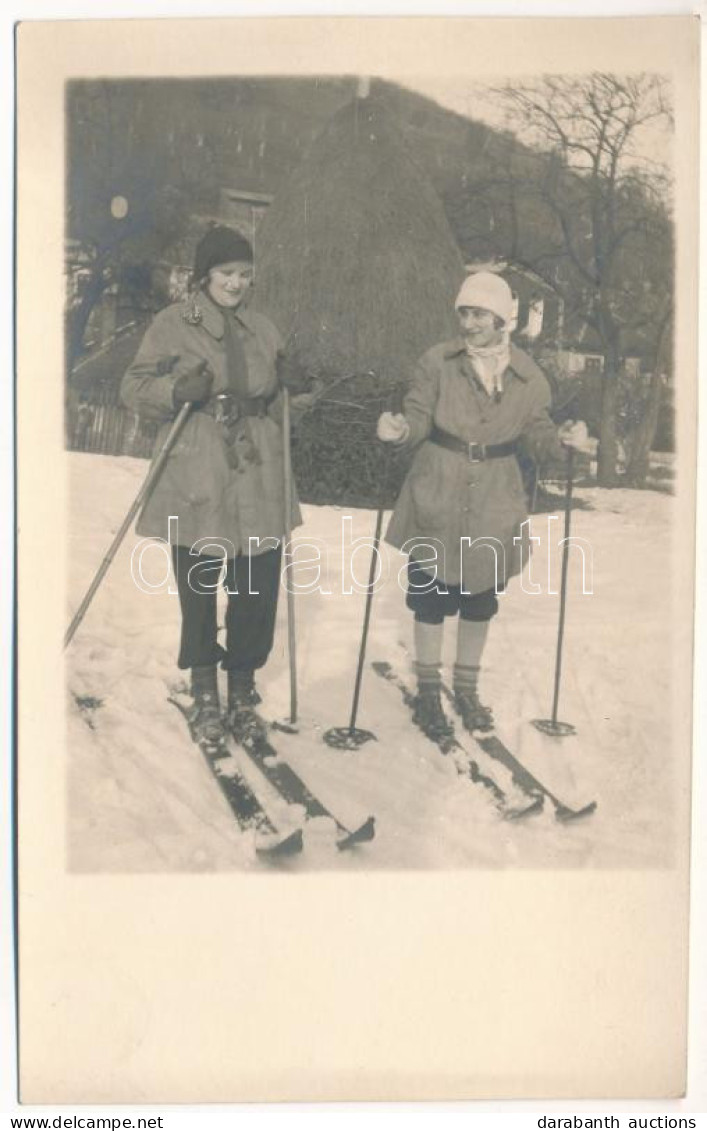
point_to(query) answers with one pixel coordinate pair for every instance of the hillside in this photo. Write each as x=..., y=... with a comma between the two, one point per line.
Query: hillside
x=131, y=136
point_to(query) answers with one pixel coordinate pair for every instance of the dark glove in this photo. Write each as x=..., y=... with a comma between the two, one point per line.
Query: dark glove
x=194, y=385
x=165, y=365
x=290, y=375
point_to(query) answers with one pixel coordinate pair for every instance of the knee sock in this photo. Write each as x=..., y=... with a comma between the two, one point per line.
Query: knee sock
x=428, y=655
x=471, y=638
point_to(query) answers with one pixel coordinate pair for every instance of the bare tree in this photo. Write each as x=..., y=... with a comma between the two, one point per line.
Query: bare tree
x=608, y=201
x=645, y=431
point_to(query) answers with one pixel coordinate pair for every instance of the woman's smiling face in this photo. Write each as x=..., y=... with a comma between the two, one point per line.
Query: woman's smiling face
x=480, y=327
x=228, y=283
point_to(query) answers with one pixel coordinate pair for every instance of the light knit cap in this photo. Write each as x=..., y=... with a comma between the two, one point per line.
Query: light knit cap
x=487, y=291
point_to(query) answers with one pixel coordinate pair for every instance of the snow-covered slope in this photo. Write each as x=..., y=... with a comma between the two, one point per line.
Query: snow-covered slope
x=141, y=799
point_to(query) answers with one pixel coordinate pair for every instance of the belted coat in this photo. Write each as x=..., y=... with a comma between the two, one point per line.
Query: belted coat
x=455, y=516
x=211, y=498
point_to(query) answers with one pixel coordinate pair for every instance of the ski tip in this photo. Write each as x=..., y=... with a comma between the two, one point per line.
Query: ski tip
x=365, y=832
x=565, y=814
x=273, y=844
x=284, y=726
x=536, y=806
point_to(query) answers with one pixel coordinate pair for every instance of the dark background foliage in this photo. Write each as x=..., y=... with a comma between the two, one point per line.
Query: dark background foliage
x=465, y=192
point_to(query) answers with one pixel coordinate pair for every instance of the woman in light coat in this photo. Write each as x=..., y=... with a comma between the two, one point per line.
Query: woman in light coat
x=473, y=405
x=223, y=483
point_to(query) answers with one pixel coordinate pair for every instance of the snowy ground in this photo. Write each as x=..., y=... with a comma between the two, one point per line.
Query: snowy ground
x=141, y=799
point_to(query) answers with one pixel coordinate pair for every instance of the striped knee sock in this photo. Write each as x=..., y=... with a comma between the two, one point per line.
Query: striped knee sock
x=429, y=676
x=466, y=678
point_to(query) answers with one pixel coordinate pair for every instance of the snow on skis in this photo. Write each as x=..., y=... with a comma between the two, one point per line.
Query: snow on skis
x=492, y=745
x=270, y=839
x=465, y=765
x=251, y=733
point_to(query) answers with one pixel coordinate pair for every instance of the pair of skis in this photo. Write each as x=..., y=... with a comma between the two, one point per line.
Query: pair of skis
x=491, y=744
x=273, y=838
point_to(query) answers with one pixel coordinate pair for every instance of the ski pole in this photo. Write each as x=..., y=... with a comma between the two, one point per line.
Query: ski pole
x=552, y=726
x=366, y=619
x=141, y=498
x=291, y=633
x=351, y=737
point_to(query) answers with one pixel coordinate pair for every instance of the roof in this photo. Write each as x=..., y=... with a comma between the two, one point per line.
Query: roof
x=518, y=276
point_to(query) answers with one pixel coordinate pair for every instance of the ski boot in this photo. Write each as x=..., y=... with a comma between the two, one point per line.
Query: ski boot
x=474, y=715
x=429, y=716
x=205, y=715
x=242, y=701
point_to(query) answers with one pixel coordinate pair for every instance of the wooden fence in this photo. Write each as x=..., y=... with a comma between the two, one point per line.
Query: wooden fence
x=100, y=424
x=95, y=419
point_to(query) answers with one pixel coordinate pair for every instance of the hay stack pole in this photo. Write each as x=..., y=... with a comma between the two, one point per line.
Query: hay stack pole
x=356, y=262
x=364, y=87
x=357, y=265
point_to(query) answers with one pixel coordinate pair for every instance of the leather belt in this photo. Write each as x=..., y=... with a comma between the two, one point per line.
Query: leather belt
x=254, y=406
x=475, y=453
x=226, y=406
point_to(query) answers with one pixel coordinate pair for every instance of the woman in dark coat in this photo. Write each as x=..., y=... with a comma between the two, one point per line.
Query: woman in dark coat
x=474, y=403
x=224, y=481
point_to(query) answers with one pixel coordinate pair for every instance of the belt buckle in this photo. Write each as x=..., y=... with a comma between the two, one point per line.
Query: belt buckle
x=224, y=408
x=482, y=452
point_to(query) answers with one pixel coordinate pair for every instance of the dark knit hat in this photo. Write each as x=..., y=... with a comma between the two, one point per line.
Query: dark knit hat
x=220, y=245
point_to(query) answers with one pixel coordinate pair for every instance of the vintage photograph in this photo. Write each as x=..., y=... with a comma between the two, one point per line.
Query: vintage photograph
x=370, y=404
x=356, y=442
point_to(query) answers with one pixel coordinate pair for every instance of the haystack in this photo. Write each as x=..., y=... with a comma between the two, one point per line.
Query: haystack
x=355, y=260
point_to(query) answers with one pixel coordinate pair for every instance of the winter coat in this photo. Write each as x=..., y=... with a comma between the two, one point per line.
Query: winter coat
x=446, y=497
x=211, y=499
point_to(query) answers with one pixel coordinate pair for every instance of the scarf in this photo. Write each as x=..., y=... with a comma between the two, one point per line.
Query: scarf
x=237, y=429
x=489, y=364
